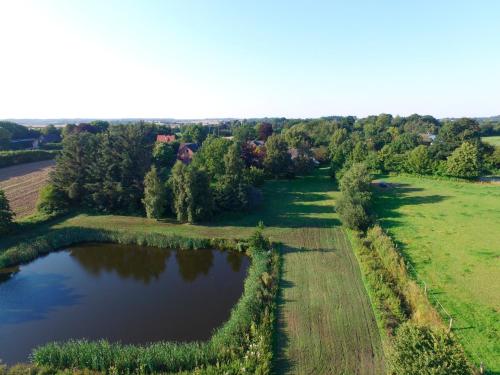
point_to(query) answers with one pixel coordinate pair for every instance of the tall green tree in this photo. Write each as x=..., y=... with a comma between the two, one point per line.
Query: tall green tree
x=418, y=161
x=6, y=214
x=464, y=162
x=154, y=195
x=452, y=134
x=231, y=190
x=354, y=204
x=277, y=161
x=211, y=156
x=165, y=154
x=195, y=133
x=192, y=195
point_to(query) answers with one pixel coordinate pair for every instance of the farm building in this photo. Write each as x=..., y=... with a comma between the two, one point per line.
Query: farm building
x=186, y=152
x=165, y=138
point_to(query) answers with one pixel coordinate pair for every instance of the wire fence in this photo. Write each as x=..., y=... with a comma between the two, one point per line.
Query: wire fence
x=442, y=310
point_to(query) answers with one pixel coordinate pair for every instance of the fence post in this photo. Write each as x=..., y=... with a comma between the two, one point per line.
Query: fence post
x=451, y=322
x=425, y=288
x=481, y=368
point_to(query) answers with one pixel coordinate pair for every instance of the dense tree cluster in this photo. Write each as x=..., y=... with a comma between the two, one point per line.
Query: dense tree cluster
x=6, y=214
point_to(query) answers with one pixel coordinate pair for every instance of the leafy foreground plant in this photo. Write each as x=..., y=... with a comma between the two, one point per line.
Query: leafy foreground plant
x=242, y=344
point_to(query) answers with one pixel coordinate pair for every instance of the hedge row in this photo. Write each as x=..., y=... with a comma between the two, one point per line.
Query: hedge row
x=9, y=158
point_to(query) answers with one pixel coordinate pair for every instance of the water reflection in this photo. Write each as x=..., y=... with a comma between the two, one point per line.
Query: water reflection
x=144, y=264
x=32, y=297
x=194, y=263
x=130, y=294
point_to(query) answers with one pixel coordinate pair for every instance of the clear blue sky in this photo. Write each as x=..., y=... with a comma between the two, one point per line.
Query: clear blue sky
x=193, y=59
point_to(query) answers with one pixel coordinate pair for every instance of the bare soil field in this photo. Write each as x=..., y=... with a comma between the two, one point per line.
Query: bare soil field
x=22, y=184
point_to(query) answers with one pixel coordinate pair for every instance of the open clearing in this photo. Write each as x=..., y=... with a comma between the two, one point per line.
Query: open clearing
x=22, y=184
x=326, y=324
x=495, y=141
x=450, y=231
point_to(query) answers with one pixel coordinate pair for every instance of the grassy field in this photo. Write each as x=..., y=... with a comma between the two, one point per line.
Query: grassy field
x=495, y=141
x=450, y=231
x=22, y=184
x=326, y=324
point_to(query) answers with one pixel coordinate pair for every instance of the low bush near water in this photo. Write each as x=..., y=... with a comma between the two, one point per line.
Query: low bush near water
x=243, y=343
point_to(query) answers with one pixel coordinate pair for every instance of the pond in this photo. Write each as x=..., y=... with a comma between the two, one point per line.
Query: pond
x=130, y=294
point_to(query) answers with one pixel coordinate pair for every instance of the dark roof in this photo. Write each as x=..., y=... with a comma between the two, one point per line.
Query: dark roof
x=192, y=146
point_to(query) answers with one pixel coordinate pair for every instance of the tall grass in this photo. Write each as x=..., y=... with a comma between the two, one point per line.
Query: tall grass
x=395, y=295
x=244, y=341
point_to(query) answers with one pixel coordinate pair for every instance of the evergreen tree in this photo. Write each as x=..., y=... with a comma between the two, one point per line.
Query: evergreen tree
x=6, y=214
x=154, y=195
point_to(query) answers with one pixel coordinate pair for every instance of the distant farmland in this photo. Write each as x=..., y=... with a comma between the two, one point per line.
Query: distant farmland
x=22, y=184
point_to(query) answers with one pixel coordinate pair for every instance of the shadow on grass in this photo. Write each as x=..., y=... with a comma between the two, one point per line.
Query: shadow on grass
x=282, y=364
x=303, y=202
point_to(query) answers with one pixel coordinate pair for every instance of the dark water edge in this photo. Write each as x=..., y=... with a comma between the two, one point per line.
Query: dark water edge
x=122, y=293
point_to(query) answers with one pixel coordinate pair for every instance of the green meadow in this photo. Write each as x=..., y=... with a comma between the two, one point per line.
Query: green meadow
x=450, y=232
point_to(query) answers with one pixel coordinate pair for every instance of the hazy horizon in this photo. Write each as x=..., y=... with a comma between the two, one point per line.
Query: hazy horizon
x=223, y=59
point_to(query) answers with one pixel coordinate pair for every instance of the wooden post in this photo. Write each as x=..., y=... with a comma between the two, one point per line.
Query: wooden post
x=451, y=322
x=425, y=288
x=481, y=368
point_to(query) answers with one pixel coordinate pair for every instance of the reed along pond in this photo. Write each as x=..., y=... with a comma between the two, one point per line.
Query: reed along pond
x=130, y=294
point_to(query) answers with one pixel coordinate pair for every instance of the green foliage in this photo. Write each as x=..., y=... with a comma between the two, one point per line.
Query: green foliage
x=51, y=200
x=9, y=158
x=421, y=350
x=5, y=137
x=254, y=176
x=339, y=148
x=211, y=156
x=452, y=134
x=50, y=129
x=195, y=133
x=18, y=131
x=354, y=203
x=244, y=133
x=165, y=154
x=464, y=162
x=105, y=171
x=418, y=161
x=192, y=196
x=6, y=214
x=155, y=199
x=277, y=162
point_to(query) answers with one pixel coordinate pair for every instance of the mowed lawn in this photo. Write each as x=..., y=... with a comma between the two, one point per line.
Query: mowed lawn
x=495, y=141
x=325, y=324
x=450, y=231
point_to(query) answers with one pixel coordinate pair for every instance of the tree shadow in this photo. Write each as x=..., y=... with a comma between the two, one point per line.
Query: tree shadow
x=282, y=364
x=387, y=201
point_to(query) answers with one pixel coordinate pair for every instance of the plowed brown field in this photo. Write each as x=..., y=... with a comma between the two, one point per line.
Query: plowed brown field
x=22, y=184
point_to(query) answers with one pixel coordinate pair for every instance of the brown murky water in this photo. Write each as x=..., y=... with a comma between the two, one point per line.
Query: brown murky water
x=121, y=293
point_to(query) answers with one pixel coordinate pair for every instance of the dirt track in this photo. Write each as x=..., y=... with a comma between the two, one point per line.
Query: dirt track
x=22, y=183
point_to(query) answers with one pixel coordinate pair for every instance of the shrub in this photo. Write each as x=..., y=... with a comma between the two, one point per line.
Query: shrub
x=52, y=201
x=464, y=162
x=421, y=350
x=6, y=214
x=8, y=158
